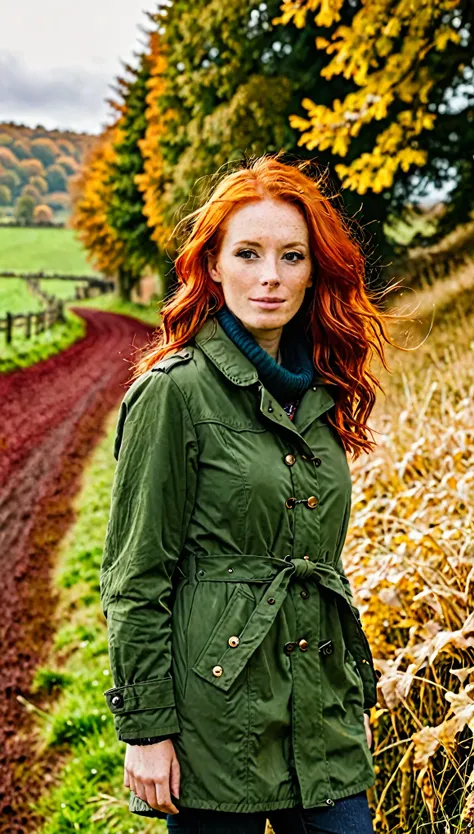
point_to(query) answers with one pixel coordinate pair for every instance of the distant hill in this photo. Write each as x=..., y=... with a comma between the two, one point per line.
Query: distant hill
x=35, y=167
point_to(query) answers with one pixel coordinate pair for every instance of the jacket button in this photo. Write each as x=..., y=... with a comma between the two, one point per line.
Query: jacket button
x=117, y=701
x=303, y=644
x=306, y=556
x=217, y=671
x=312, y=502
x=329, y=801
x=290, y=503
x=234, y=641
x=304, y=593
x=317, y=461
x=289, y=647
x=271, y=600
x=290, y=460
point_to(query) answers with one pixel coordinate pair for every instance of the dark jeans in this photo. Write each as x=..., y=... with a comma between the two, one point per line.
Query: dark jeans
x=350, y=815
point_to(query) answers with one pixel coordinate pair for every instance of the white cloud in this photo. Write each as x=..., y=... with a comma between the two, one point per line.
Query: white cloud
x=59, y=60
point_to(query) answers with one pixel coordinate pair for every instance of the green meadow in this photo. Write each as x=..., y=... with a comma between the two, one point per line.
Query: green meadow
x=47, y=249
x=50, y=251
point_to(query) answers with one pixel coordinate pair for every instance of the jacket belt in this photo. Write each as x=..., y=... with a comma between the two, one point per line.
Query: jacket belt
x=278, y=573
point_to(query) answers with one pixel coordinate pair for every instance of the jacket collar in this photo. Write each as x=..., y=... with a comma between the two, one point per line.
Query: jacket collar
x=236, y=367
x=225, y=354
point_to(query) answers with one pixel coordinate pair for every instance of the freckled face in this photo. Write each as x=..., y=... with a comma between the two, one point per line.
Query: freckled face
x=264, y=254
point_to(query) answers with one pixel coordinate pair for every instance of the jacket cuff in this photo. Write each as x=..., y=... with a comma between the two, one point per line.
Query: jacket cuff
x=150, y=740
x=143, y=710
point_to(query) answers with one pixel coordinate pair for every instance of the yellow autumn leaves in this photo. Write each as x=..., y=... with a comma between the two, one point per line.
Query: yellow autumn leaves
x=382, y=52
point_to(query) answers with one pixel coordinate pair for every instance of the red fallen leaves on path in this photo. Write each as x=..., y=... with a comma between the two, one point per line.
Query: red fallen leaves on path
x=51, y=416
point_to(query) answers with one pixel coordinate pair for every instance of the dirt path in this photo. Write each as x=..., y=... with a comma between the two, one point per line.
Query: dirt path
x=51, y=417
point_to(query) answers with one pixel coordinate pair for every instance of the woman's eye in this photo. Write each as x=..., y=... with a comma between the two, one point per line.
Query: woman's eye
x=243, y=252
x=299, y=255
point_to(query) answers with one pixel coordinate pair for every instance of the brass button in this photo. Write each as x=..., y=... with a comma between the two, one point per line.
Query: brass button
x=290, y=460
x=305, y=556
x=304, y=593
x=217, y=671
x=303, y=644
x=290, y=503
x=271, y=600
x=312, y=502
x=234, y=641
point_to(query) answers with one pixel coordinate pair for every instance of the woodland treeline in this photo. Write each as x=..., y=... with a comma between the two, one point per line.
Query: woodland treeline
x=35, y=167
x=378, y=94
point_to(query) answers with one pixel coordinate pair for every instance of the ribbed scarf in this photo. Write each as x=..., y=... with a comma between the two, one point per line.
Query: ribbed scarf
x=287, y=381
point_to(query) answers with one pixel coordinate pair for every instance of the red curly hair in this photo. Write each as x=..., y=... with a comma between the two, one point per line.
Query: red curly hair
x=345, y=324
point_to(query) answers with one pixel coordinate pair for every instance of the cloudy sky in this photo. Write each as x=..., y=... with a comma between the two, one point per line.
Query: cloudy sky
x=58, y=59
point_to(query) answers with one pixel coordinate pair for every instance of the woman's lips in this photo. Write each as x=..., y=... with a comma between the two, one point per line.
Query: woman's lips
x=267, y=305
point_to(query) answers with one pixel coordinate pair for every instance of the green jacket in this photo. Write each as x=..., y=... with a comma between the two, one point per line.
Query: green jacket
x=230, y=618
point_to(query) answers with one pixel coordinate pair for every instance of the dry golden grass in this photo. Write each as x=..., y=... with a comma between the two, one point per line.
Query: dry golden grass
x=409, y=556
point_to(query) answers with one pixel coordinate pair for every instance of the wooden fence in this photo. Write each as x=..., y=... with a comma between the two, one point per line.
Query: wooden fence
x=34, y=323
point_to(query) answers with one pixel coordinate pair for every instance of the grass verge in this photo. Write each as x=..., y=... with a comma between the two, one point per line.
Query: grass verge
x=25, y=352
x=88, y=795
x=111, y=303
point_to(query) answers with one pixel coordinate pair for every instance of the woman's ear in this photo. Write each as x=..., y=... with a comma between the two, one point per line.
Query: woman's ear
x=212, y=268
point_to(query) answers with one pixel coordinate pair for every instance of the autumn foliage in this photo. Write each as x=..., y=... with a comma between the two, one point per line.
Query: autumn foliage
x=410, y=559
x=384, y=53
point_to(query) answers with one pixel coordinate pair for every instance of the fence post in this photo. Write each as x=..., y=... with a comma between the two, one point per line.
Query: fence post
x=9, y=328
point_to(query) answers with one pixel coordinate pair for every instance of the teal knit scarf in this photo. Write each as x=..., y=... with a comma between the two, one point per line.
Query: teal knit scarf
x=287, y=381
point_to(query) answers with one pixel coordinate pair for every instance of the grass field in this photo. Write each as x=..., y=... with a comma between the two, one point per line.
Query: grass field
x=50, y=250
x=59, y=288
x=16, y=298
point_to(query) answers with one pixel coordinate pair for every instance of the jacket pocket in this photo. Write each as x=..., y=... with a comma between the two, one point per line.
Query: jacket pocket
x=225, y=635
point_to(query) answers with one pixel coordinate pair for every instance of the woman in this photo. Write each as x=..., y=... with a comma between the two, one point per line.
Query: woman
x=243, y=680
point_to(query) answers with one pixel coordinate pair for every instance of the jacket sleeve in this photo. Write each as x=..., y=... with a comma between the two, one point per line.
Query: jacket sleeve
x=152, y=499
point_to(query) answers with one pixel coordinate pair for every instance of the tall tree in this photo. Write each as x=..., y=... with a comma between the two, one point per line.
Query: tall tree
x=91, y=191
x=152, y=181
x=125, y=209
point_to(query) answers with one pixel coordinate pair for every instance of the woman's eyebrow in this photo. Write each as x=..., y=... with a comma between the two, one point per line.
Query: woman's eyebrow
x=257, y=243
